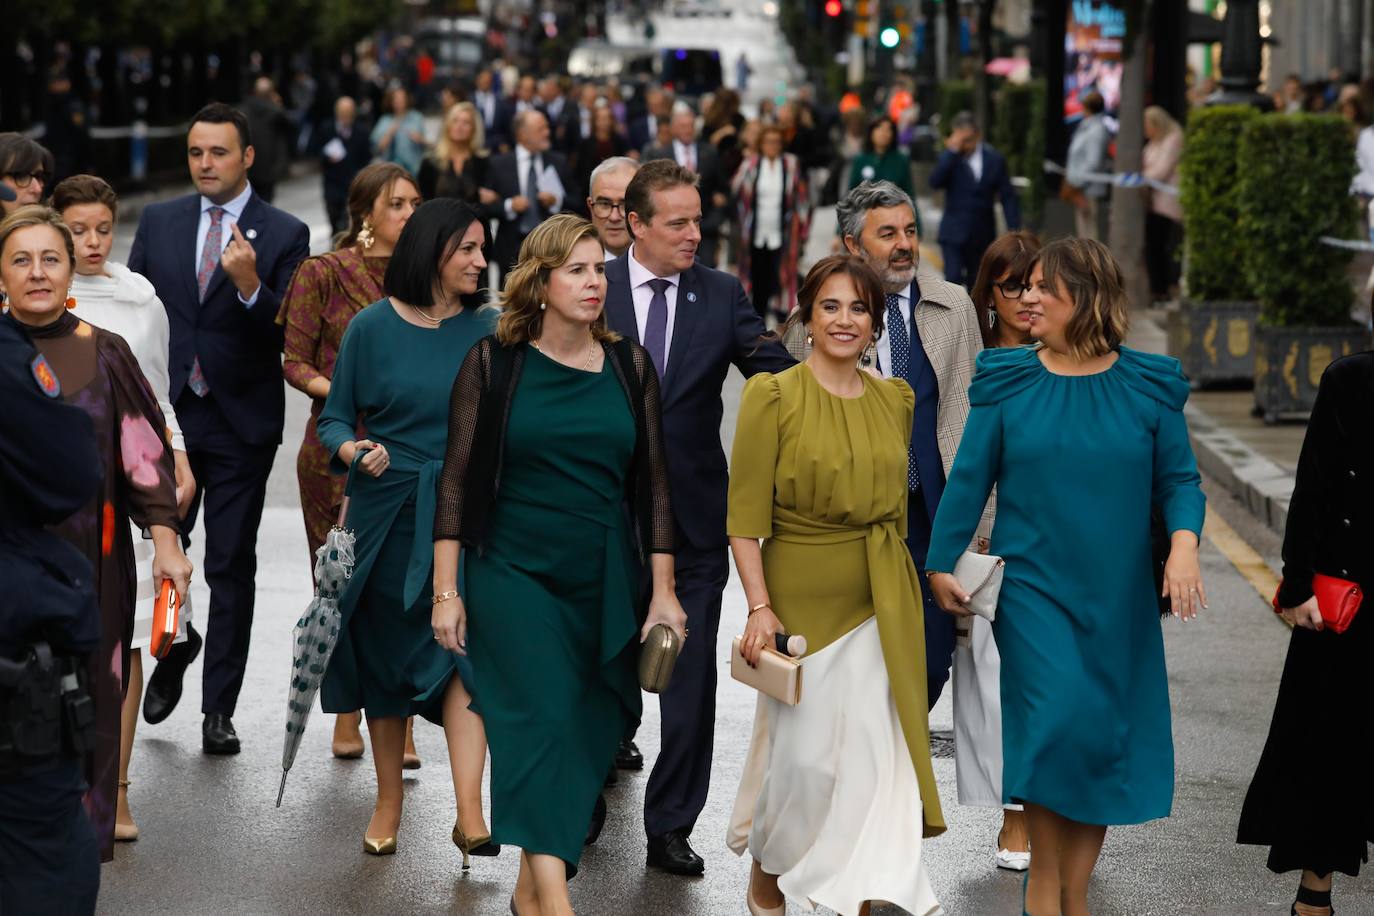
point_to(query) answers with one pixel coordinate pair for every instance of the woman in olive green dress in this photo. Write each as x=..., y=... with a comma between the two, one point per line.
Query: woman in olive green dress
x=554, y=559
x=395, y=367
x=838, y=790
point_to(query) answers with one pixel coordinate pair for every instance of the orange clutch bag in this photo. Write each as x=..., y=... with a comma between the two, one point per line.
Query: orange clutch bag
x=166, y=611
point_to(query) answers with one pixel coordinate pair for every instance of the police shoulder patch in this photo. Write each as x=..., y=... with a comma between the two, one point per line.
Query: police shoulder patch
x=45, y=377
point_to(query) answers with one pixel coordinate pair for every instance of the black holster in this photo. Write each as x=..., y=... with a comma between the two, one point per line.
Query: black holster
x=46, y=714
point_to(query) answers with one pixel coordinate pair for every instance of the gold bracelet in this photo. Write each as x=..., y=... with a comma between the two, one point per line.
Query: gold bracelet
x=759, y=607
x=445, y=596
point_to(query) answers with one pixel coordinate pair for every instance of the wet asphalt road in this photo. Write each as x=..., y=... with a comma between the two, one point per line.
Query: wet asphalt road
x=213, y=843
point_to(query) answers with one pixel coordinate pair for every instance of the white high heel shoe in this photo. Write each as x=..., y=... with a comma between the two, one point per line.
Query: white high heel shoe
x=1012, y=861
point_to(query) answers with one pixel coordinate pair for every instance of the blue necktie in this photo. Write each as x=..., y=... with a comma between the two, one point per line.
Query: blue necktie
x=901, y=368
x=656, y=328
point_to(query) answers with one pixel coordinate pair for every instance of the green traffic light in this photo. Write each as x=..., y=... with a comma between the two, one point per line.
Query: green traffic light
x=889, y=37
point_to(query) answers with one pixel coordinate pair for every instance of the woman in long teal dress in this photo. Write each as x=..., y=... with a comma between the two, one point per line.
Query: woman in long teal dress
x=1081, y=435
x=561, y=521
x=395, y=367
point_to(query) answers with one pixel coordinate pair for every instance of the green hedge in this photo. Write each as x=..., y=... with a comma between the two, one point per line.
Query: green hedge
x=1208, y=190
x=955, y=96
x=1292, y=187
x=1018, y=131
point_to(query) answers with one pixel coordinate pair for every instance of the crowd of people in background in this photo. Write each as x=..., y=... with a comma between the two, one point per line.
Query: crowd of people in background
x=885, y=402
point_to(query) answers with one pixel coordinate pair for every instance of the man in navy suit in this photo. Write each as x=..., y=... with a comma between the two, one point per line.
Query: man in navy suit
x=220, y=260
x=973, y=175
x=695, y=322
x=518, y=178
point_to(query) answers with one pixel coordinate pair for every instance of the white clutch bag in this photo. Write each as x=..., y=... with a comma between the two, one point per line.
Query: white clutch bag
x=981, y=576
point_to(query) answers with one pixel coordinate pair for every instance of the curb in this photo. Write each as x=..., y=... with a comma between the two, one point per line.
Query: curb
x=1259, y=483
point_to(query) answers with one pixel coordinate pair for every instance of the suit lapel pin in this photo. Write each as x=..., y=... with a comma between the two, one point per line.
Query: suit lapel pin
x=251, y=234
x=691, y=297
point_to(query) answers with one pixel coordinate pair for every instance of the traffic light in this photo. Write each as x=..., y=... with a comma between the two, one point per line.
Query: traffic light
x=889, y=37
x=833, y=8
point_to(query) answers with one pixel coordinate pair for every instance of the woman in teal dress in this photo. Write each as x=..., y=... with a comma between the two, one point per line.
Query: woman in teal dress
x=1078, y=421
x=395, y=368
x=562, y=521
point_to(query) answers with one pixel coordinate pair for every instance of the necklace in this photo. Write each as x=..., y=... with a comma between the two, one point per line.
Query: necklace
x=591, y=354
x=430, y=319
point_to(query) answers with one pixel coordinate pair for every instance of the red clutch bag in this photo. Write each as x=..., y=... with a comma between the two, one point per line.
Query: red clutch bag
x=166, y=611
x=1337, y=599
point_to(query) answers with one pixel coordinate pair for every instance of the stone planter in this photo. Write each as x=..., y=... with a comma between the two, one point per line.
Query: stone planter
x=1215, y=341
x=1289, y=363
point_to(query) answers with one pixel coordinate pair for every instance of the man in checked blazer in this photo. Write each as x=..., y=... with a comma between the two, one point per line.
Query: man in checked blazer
x=931, y=340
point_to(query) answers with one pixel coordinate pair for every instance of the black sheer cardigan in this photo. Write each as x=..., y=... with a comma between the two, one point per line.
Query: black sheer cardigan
x=479, y=409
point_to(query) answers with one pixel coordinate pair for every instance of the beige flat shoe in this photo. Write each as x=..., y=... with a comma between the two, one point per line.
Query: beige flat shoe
x=125, y=833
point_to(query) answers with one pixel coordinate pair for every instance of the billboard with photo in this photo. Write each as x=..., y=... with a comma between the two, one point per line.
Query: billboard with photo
x=1094, y=38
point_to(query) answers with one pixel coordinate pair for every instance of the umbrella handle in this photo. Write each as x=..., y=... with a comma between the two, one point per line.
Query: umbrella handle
x=348, y=486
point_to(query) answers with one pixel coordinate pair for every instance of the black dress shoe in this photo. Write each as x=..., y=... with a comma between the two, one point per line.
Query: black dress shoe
x=164, y=685
x=217, y=734
x=629, y=757
x=598, y=821
x=672, y=853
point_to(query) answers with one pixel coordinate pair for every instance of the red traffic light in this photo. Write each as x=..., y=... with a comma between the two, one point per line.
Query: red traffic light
x=833, y=8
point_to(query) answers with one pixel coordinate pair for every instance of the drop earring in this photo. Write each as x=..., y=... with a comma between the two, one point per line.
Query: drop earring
x=992, y=318
x=365, y=237
x=810, y=341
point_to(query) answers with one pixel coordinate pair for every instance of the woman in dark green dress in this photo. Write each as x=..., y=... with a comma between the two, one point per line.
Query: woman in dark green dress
x=555, y=561
x=395, y=367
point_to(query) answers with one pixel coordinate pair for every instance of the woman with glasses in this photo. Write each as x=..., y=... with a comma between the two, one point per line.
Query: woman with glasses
x=1002, y=278
x=26, y=167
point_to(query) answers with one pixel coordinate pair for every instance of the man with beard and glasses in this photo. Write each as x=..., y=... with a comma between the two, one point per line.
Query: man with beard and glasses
x=931, y=340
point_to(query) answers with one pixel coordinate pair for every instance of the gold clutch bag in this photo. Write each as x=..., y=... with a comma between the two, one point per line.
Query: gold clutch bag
x=779, y=676
x=657, y=657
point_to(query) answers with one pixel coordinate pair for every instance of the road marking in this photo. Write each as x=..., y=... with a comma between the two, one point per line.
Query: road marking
x=1242, y=556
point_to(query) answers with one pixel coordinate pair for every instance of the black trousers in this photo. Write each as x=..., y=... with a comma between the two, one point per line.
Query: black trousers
x=676, y=791
x=961, y=261
x=939, y=626
x=49, y=859
x=337, y=208
x=765, y=277
x=1162, y=236
x=231, y=478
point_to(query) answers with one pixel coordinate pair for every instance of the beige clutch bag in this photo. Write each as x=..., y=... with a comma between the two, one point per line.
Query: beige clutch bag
x=657, y=657
x=779, y=676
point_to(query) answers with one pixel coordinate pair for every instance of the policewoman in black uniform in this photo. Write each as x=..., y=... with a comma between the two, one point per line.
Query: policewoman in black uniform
x=49, y=468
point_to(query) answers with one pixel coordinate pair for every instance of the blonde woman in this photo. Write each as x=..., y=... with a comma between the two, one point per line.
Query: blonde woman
x=457, y=165
x=1164, y=219
x=1078, y=434
x=554, y=564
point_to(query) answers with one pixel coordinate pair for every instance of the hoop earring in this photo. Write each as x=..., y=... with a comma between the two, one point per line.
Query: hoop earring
x=365, y=237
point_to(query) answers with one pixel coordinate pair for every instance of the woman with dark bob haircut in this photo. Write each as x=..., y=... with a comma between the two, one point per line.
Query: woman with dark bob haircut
x=819, y=475
x=395, y=367
x=1077, y=434
x=26, y=167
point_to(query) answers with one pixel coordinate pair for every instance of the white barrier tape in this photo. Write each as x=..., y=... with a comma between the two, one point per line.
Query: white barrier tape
x=1119, y=179
x=1348, y=244
x=137, y=129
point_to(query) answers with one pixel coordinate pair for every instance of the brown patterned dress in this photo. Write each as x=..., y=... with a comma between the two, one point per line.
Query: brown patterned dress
x=325, y=294
x=99, y=374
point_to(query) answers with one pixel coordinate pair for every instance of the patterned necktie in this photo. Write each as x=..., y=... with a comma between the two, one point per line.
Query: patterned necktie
x=534, y=213
x=690, y=155
x=209, y=260
x=901, y=368
x=656, y=328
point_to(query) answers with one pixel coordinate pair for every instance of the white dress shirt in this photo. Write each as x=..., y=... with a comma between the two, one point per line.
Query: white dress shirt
x=884, y=344
x=486, y=104
x=643, y=294
x=522, y=175
x=608, y=254
x=975, y=162
x=1364, y=163
x=686, y=155
x=233, y=211
x=768, y=193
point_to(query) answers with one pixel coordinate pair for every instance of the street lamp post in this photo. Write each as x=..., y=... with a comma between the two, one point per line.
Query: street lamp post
x=1240, y=58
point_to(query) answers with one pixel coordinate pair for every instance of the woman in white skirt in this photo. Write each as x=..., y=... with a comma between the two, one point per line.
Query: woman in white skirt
x=112, y=297
x=838, y=790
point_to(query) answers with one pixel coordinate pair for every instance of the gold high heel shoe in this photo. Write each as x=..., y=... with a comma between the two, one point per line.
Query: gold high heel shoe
x=381, y=846
x=756, y=908
x=125, y=833
x=473, y=846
